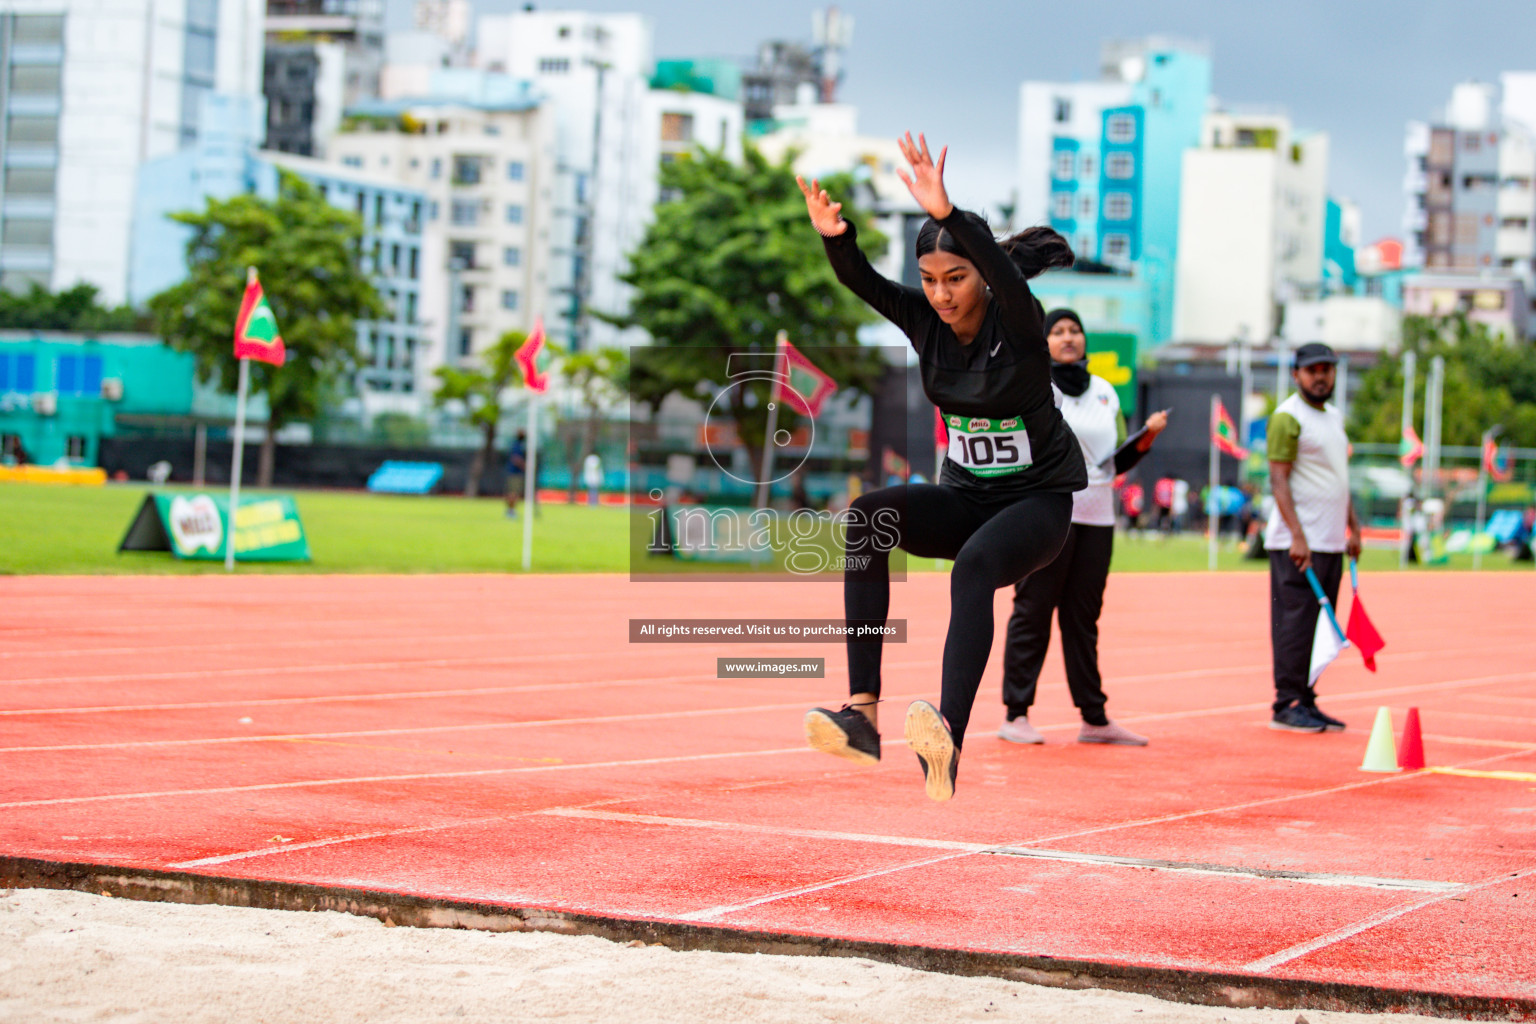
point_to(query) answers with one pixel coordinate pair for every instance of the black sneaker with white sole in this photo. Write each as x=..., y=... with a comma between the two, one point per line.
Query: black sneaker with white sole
x=1330, y=723
x=1296, y=718
x=929, y=738
x=845, y=733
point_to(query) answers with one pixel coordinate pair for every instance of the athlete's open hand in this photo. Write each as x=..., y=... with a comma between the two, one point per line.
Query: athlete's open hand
x=927, y=181
x=826, y=215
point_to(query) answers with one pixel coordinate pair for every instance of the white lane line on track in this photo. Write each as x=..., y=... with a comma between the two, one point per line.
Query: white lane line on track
x=343, y=698
x=1069, y=856
x=288, y=670
x=606, y=719
x=394, y=636
x=302, y=737
x=414, y=777
x=1383, y=780
x=1301, y=949
x=272, y=851
x=713, y=913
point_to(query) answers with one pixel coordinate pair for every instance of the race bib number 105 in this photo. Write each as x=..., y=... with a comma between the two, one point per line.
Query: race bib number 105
x=988, y=447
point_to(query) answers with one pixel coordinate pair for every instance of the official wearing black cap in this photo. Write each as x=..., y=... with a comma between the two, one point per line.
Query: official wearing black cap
x=1312, y=525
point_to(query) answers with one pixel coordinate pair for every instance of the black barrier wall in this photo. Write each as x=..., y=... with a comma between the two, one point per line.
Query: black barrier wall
x=308, y=465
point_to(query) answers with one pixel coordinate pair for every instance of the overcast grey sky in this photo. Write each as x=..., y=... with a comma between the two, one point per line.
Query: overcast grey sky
x=1357, y=69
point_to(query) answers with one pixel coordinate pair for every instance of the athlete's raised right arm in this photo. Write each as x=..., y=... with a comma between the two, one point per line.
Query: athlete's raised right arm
x=901, y=306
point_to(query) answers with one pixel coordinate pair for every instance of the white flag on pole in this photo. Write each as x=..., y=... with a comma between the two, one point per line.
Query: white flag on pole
x=1326, y=645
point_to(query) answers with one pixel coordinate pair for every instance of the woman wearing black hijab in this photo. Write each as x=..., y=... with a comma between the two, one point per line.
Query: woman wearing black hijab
x=1073, y=585
x=1003, y=505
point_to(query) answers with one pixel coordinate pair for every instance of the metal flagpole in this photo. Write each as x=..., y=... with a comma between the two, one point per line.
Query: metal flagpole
x=1482, y=495
x=765, y=485
x=234, y=473
x=1211, y=521
x=530, y=478
x=1410, y=372
x=1434, y=393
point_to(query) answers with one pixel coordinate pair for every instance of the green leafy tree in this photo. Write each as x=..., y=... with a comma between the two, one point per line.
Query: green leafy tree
x=729, y=260
x=601, y=378
x=74, y=309
x=480, y=389
x=309, y=255
x=1488, y=381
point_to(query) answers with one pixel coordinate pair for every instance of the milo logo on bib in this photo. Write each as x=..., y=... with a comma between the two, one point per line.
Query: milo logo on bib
x=989, y=447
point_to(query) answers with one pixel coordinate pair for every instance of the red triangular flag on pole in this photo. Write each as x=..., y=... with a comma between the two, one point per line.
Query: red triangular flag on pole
x=799, y=382
x=534, y=360
x=1498, y=466
x=256, y=334
x=1410, y=449
x=1224, y=433
x=1362, y=634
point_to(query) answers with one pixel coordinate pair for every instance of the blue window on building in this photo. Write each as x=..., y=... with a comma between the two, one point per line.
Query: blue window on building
x=1117, y=206
x=515, y=171
x=1120, y=166
x=512, y=256
x=1064, y=165
x=514, y=214
x=509, y=300
x=79, y=375
x=352, y=161
x=1120, y=128
x=18, y=372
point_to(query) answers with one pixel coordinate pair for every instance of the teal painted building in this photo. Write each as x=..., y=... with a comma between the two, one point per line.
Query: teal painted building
x=1102, y=163
x=60, y=394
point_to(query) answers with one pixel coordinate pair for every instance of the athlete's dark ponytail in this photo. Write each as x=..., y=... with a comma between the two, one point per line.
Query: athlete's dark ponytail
x=1033, y=250
x=1038, y=249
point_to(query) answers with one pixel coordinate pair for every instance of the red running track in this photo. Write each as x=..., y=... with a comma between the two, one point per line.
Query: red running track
x=497, y=739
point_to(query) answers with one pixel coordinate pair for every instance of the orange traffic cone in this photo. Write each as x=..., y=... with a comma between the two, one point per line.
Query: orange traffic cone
x=1410, y=754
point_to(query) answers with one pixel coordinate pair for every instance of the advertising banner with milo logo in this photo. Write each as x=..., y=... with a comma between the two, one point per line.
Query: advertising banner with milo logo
x=196, y=526
x=989, y=447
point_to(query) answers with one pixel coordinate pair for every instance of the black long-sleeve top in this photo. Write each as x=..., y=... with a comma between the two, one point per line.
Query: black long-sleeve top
x=995, y=393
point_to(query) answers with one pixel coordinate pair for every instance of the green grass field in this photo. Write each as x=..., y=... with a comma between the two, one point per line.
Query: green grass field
x=47, y=529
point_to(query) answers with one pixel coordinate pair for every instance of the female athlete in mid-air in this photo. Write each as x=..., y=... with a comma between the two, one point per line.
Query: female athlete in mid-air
x=1004, y=500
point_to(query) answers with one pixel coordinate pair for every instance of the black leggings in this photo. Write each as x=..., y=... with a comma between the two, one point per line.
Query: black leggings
x=994, y=542
x=1073, y=587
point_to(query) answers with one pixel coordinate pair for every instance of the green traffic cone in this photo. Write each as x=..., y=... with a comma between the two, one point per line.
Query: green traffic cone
x=1381, y=751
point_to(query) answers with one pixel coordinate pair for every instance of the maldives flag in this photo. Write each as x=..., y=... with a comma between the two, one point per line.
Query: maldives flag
x=798, y=381
x=534, y=357
x=256, y=334
x=1224, y=432
x=1410, y=449
x=1498, y=466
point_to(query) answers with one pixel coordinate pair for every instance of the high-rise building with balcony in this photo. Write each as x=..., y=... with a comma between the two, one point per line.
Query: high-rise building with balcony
x=92, y=89
x=322, y=56
x=1471, y=182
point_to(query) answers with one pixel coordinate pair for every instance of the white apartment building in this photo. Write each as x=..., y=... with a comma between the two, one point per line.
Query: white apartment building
x=487, y=169
x=827, y=138
x=594, y=70
x=94, y=88
x=1251, y=222
x=1471, y=182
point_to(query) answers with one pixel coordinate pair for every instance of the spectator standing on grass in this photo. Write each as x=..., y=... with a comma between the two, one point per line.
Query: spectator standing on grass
x=1133, y=501
x=1179, y=505
x=1312, y=525
x=517, y=471
x=1162, y=502
x=592, y=476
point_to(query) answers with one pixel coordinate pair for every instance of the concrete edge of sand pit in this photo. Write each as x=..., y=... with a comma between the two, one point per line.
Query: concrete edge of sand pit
x=403, y=909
